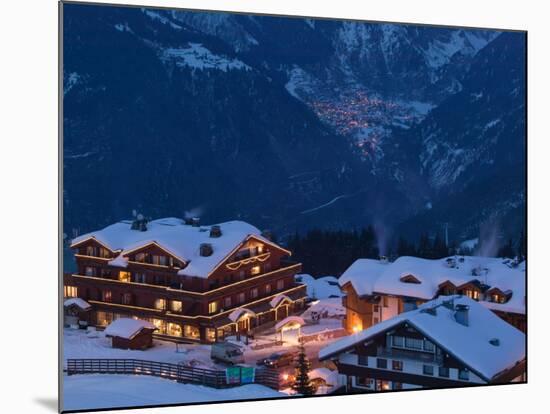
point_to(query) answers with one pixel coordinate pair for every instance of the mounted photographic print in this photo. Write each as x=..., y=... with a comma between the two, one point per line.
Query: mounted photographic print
x=262, y=207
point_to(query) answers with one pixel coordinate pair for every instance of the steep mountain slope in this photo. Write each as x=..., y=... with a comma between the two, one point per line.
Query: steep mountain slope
x=471, y=148
x=160, y=117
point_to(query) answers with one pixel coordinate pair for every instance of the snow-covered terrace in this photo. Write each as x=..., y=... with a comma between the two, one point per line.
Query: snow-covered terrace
x=471, y=344
x=177, y=238
x=369, y=276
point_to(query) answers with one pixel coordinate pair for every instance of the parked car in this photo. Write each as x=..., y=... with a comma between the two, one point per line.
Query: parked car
x=279, y=359
x=227, y=352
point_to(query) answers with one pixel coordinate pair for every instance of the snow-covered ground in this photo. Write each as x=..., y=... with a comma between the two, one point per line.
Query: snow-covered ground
x=78, y=344
x=93, y=391
x=320, y=288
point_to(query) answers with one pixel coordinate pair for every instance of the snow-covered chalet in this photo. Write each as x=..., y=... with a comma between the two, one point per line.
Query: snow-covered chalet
x=192, y=282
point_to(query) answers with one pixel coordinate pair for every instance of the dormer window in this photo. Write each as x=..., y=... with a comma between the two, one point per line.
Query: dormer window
x=410, y=279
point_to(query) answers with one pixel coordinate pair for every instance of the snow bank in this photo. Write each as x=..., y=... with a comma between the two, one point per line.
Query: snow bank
x=85, y=392
x=321, y=288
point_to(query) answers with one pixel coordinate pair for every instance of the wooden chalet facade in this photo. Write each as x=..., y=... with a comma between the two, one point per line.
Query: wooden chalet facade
x=385, y=298
x=196, y=298
x=415, y=351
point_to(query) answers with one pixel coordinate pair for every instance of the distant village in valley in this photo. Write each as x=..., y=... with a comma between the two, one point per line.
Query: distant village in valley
x=220, y=312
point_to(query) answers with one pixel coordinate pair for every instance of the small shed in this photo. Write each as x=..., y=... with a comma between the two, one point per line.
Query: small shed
x=76, y=313
x=129, y=333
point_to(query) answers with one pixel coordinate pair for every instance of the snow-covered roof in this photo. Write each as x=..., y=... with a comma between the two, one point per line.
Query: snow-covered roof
x=289, y=320
x=177, y=238
x=278, y=300
x=240, y=312
x=81, y=303
x=127, y=327
x=370, y=276
x=470, y=344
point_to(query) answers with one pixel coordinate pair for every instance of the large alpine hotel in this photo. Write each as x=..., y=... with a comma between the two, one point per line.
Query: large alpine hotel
x=198, y=283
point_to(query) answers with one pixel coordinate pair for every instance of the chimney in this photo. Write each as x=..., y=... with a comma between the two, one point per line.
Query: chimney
x=139, y=223
x=206, y=249
x=215, y=231
x=494, y=341
x=195, y=221
x=461, y=314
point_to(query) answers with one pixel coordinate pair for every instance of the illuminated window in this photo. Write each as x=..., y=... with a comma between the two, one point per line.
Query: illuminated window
x=240, y=297
x=160, y=304
x=253, y=293
x=174, y=329
x=210, y=334
x=70, y=291
x=472, y=294
x=227, y=302
x=260, y=248
x=397, y=365
x=280, y=284
x=190, y=331
x=255, y=270
x=124, y=276
x=104, y=318
x=267, y=289
x=160, y=325
x=106, y=295
x=177, y=306
x=212, y=307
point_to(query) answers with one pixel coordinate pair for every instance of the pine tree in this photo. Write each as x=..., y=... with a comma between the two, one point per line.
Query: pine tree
x=302, y=384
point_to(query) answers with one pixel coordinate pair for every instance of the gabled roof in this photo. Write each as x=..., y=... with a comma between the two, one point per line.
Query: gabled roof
x=177, y=238
x=127, y=328
x=469, y=344
x=369, y=277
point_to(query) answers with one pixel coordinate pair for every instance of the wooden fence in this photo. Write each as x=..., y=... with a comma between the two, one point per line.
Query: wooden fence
x=178, y=372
